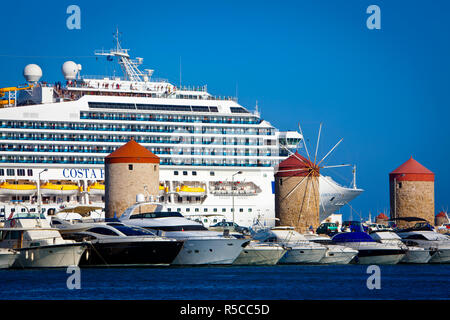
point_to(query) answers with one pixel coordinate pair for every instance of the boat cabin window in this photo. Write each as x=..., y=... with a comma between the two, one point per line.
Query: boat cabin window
x=104, y=231
x=134, y=231
x=159, y=214
x=11, y=235
x=416, y=237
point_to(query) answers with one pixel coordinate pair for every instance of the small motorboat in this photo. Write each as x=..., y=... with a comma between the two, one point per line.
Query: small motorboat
x=370, y=251
x=257, y=253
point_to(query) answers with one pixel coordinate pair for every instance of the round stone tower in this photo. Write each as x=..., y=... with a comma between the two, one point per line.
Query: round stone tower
x=130, y=170
x=297, y=202
x=411, y=189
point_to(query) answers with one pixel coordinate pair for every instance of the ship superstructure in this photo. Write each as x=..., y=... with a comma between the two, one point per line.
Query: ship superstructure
x=217, y=157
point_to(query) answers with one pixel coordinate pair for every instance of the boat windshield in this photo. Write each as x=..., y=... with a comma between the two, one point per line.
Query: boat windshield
x=158, y=214
x=28, y=215
x=133, y=231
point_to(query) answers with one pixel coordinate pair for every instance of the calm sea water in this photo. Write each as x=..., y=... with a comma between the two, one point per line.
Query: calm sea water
x=233, y=283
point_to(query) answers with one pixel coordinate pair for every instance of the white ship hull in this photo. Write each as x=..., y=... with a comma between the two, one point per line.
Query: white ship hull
x=442, y=255
x=338, y=255
x=260, y=255
x=303, y=255
x=49, y=256
x=209, y=251
x=7, y=258
x=417, y=255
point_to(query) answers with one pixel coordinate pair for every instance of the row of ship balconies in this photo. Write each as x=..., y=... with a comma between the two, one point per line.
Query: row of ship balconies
x=168, y=118
x=179, y=139
x=163, y=161
x=156, y=150
x=133, y=128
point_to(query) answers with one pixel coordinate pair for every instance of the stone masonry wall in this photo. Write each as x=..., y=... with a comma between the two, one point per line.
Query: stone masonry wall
x=290, y=210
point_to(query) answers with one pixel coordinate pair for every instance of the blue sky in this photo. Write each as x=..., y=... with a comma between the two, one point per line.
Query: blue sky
x=384, y=91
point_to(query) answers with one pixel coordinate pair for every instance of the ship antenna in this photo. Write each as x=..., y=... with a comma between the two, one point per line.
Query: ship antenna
x=354, y=176
x=130, y=67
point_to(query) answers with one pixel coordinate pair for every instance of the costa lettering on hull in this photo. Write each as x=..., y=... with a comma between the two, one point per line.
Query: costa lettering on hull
x=83, y=173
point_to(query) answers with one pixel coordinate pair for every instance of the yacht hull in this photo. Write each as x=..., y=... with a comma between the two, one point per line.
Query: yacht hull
x=379, y=256
x=260, y=255
x=54, y=256
x=131, y=253
x=441, y=256
x=209, y=251
x=300, y=255
x=7, y=259
x=338, y=255
x=417, y=256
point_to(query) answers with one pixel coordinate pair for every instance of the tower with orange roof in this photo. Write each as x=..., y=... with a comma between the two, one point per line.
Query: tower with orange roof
x=130, y=170
x=412, y=192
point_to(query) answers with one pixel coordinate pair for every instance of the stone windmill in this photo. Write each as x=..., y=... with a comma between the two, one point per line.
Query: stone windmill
x=297, y=197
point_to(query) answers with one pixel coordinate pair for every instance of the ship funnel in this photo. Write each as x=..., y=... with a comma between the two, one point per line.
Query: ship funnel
x=32, y=73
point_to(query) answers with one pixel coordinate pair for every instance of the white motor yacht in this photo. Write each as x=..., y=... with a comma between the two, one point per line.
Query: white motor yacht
x=414, y=253
x=257, y=253
x=201, y=246
x=7, y=258
x=335, y=254
x=299, y=249
x=370, y=251
x=38, y=244
x=438, y=243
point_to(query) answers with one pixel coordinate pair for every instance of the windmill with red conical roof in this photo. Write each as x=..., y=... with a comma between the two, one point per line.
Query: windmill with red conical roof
x=411, y=192
x=297, y=197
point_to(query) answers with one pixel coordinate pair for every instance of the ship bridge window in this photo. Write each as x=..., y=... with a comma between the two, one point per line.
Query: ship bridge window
x=238, y=110
x=30, y=172
x=213, y=109
x=2, y=172
x=200, y=109
x=21, y=172
x=10, y=172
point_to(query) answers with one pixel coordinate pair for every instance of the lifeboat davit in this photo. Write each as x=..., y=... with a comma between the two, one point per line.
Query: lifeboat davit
x=163, y=189
x=9, y=189
x=50, y=189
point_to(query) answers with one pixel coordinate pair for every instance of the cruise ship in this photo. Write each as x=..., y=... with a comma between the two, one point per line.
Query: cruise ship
x=217, y=158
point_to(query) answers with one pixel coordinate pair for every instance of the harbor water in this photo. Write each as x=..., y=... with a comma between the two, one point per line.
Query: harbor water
x=289, y=282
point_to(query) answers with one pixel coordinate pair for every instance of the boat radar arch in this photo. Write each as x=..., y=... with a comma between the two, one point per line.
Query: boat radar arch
x=32, y=73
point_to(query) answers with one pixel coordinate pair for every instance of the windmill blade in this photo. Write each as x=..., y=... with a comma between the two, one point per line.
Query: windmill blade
x=337, y=166
x=318, y=140
x=304, y=143
x=298, y=184
x=330, y=151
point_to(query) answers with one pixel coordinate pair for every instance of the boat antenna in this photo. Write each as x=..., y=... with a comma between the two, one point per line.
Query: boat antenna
x=354, y=176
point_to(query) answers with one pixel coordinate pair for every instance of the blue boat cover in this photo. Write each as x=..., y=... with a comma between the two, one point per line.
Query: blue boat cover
x=352, y=237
